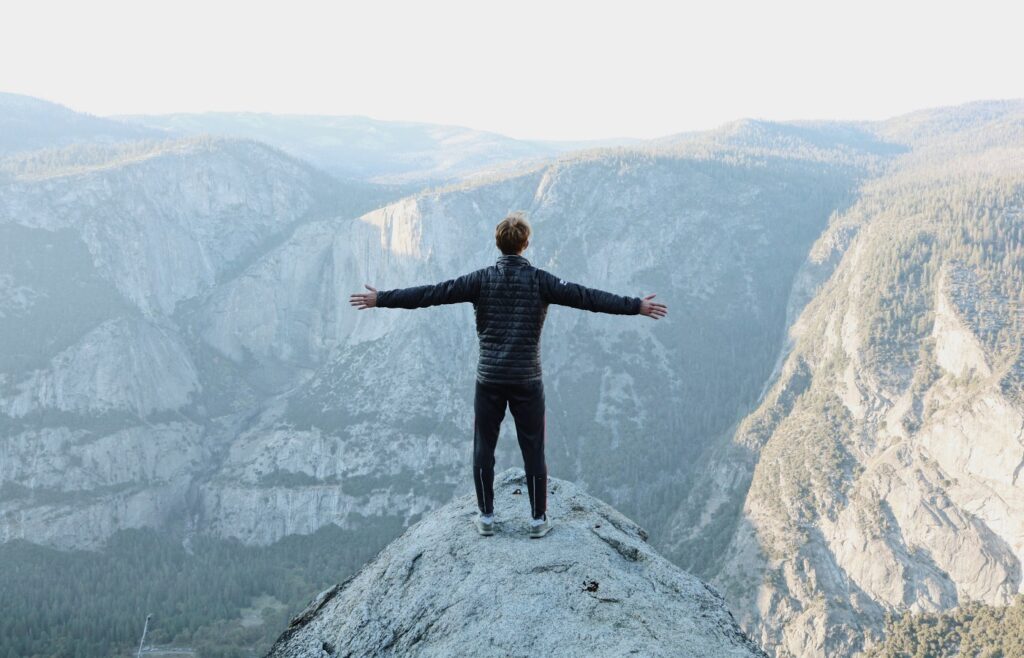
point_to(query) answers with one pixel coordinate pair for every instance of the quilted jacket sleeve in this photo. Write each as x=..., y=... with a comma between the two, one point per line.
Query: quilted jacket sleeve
x=465, y=288
x=566, y=293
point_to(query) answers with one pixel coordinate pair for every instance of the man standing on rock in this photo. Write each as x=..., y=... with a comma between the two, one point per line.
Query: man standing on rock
x=510, y=299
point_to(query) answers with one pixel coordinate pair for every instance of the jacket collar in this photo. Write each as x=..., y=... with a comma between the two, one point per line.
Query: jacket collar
x=512, y=260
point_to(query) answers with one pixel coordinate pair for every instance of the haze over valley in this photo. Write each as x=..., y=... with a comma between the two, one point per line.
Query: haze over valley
x=828, y=428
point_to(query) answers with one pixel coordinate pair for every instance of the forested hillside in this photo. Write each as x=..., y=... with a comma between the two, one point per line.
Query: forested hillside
x=221, y=598
x=974, y=630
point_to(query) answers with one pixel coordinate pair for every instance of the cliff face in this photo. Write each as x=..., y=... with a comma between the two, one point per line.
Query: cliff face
x=882, y=470
x=104, y=397
x=591, y=587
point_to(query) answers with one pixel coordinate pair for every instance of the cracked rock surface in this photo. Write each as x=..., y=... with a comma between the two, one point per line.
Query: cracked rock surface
x=591, y=587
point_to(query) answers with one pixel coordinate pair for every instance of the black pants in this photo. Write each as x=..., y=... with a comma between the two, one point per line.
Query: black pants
x=526, y=400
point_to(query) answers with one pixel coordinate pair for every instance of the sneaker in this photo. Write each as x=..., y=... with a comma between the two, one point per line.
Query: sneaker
x=485, y=525
x=539, y=527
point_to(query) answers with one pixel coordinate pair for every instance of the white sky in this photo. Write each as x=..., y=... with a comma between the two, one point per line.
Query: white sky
x=530, y=69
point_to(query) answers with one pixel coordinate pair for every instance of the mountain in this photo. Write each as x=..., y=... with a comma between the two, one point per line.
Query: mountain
x=591, y=587
x=880, y=473
x=163, y=224
x=101, y=398
x=360, y=148
x=28, y=123
x=827, y=425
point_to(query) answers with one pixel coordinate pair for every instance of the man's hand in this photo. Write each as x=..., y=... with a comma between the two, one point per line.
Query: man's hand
x=653, y=310
x=363, y=300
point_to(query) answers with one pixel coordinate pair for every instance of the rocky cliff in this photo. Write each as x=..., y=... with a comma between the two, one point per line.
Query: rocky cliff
x=103, y=396
x=881, y=471
x=591, y=587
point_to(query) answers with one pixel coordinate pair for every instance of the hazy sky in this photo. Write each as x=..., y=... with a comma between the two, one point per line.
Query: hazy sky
x=545, y=69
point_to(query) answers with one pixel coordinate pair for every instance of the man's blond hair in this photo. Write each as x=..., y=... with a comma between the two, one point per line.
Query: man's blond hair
x=512, y=233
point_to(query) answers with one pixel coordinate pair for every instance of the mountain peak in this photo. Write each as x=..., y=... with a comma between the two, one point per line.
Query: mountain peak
x=591, y=587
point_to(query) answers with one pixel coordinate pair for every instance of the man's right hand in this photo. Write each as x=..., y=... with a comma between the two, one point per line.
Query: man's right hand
x=653, y=310
x=363, y=300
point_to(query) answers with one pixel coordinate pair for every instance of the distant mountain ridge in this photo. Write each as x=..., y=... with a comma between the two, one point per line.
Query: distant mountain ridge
x=28, y=123
x=372, y=150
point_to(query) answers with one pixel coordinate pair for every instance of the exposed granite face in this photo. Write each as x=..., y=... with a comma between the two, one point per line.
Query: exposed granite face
x=165, y=225
x=124, y=365
x=911, y=499
x=881, y=471
x=591, y=587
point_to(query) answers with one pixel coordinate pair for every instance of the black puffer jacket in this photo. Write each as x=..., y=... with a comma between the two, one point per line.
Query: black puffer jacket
x=511, y=301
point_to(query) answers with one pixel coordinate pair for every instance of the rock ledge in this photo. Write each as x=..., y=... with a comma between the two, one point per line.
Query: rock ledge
x=591, y=587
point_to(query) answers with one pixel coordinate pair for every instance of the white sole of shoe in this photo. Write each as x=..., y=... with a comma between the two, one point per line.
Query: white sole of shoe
x=537, y=533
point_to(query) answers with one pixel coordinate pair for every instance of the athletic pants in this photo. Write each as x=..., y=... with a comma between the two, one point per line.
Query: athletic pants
x=526, y=401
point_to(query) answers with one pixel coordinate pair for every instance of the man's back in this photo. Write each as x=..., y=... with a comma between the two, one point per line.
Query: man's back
x=510, y=315
x=511, y=299
x=510, y=311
